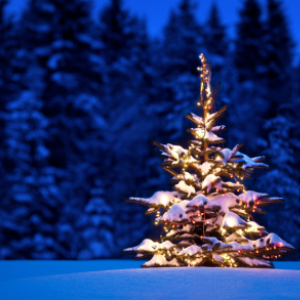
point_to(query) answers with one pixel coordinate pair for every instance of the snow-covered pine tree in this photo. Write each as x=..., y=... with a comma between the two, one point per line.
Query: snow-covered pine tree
x=249, y=55
x=58, y=40
x=181, y=44
x=207, y=218
x=216, y=43
x=281, y=124
x=31, y=198
x=8, y=42
x=249, y=61
x=283, y=179
x=125, y=50
x=278, y=70
x=95, y=226
x=128, y=92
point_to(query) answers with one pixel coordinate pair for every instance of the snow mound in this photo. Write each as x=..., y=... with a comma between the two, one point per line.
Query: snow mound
x=161, y=283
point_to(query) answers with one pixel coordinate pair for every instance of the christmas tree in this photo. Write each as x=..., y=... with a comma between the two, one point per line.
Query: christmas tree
x=207, y=219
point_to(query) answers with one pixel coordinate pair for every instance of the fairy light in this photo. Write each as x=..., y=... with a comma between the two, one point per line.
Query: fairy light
x=231, y=222
x=229, y=231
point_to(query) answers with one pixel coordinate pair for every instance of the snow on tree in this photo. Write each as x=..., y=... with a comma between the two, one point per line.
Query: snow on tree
x=59, y=45
x=95, y=227
x=124, y=48
x=9, y=44
x=207, y=221
x=281, y=124
x=32, y=193
x=249, y=61
x=128, y=92
x=216, y=43
x=283, y=179
x=182, y=40
x=249, y=56
x=279, y=57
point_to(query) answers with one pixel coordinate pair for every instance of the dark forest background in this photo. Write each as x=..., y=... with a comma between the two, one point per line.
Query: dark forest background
x=80, y=102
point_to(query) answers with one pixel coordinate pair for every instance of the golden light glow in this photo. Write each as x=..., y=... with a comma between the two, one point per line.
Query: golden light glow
x=229, y=228
x=231, y=222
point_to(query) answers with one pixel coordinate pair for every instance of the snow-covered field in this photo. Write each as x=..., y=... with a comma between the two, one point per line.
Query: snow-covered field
x=122, y=279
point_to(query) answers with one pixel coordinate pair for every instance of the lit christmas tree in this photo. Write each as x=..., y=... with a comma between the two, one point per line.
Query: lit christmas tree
x=207, y=218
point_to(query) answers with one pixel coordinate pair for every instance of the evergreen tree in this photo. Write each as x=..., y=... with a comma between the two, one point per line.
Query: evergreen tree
x=216, y=43
x=279, y=57
x=248, y=101
x=117, y=33
x=249, y=55
x=182, y=32
x=125, y=48
x=281, y=125
x=32, y=198
x=177, y=77
x=125, y=51
x=3, y=78
x=206, y=220
x=59, y=47
x=296, y=80
x=5, y=57
x=9, y=85
x=64, y=46
x=95, y=227
x=284, y=177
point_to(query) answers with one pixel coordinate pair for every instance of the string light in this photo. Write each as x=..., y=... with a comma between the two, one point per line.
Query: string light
x=219, y=164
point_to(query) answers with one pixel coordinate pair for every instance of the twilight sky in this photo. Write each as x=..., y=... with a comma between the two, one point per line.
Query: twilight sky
x=156, y=13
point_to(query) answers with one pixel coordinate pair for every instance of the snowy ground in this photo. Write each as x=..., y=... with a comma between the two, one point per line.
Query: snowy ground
x=121, y=279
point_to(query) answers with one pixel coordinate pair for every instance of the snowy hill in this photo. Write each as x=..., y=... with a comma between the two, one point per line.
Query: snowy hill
x=160, y=283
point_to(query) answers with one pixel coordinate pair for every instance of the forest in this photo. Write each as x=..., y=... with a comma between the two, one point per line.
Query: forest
x=82, y=100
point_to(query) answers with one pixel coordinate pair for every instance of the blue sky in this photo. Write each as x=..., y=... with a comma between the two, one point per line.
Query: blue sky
x=156, y=13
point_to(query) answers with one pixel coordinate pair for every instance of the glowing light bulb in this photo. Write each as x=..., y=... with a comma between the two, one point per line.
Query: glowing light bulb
x=231, y=222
